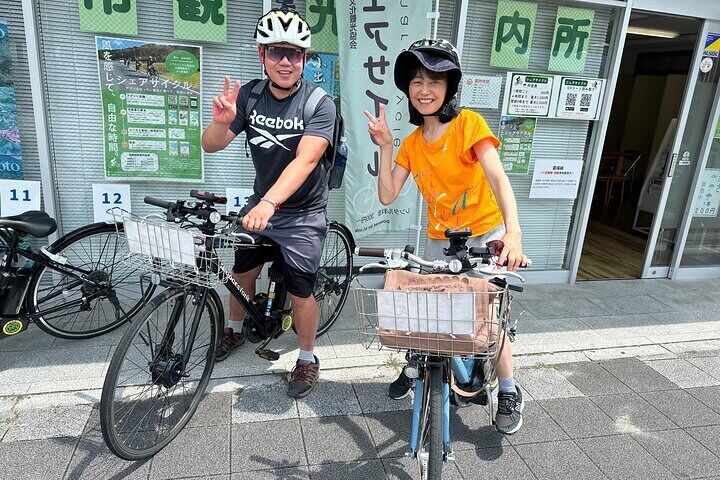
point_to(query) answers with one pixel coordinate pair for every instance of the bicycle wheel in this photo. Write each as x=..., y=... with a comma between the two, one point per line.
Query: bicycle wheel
x=148, y=395
x=98, y=251
x=431, y=443
x=333, y=277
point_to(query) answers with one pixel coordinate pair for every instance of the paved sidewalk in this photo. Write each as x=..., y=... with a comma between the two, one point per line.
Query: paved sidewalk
x=621, y=381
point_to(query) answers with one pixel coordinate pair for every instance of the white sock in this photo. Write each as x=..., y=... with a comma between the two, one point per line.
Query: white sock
x=507, y=384
x=306, y=356
x=236, y=325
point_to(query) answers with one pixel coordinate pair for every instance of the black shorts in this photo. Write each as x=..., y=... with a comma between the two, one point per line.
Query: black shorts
x=297, y=241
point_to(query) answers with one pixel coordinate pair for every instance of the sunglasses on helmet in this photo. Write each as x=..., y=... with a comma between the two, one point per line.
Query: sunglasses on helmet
x=276, y=54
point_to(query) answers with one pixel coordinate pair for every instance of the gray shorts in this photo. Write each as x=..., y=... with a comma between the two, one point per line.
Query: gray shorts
x=434, y=247
x=299, y=239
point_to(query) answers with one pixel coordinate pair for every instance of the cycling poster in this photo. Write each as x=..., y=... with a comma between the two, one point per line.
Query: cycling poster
x=10, y=151
x=152, y=122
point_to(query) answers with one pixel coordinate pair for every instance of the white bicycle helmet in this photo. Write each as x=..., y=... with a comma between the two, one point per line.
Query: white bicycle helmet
x=283, y=24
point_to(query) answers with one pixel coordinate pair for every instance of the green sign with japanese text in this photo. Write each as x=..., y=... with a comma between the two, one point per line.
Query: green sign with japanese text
x=512, y=39
x=571, y=39
x=201, y=20
x=110, y=16
x=516, y=137
x=151, y=109
x=320, y=15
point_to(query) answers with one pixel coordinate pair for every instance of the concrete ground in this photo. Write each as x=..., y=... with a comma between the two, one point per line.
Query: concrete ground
x=621, y=380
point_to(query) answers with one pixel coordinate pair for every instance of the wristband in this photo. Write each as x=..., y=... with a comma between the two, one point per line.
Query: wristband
x=275, y=204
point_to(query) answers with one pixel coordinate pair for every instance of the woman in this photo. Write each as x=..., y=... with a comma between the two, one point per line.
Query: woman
x=453, y=159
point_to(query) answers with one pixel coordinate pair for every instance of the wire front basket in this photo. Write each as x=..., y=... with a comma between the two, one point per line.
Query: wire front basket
x=183, y=255
x=441, y=323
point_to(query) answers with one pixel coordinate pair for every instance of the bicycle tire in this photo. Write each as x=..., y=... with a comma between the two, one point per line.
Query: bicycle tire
x=110, y=429
x=77, y=323
x=332, y=266
x=435, y=435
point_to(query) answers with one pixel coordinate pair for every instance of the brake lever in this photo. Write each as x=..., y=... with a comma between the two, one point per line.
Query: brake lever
x=375, y=265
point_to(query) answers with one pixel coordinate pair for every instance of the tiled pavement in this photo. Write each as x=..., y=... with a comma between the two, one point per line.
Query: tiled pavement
x=621, y=381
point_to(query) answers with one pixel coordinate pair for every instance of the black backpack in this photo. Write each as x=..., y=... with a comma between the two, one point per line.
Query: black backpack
x=334, y=163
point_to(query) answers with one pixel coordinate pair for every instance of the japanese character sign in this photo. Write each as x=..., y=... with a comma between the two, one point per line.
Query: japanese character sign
x=202, y=20
x=111, y=16
x=571, y=39
x=320, y=15
x=512, y=39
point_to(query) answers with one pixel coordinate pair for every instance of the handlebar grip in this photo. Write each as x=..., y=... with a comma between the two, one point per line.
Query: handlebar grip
x=370, y=252
x=158, y=202
x=208, y=197
x=233, y=216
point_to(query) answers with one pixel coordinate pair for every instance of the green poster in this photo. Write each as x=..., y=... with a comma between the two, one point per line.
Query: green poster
x=320, y=15
x=717, y=130
x=571, y=39
x=201, y=20
x=516, y=135
x=110, y=16
x=151, y=96
x=512, y=39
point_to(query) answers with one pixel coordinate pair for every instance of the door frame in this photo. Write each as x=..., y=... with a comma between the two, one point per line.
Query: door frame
x=676, y=271
x=647, y=270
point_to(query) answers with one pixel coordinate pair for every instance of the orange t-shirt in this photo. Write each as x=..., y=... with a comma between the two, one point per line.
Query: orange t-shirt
x=450, y=178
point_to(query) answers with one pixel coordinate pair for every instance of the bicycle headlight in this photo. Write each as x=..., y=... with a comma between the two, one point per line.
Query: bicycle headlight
x=455, y=265
x=214, y=217
x=411, y=371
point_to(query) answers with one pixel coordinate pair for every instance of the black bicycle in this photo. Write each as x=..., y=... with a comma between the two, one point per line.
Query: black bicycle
x=75, y=288
x=161, y=368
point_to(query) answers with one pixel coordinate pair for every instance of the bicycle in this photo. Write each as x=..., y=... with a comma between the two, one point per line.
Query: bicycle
x=74, y=289
x=162, y=365
x=453, y=328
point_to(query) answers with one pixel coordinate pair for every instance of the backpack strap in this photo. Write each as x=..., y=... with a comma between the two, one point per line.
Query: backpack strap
x=312, y=103
x=253, y=97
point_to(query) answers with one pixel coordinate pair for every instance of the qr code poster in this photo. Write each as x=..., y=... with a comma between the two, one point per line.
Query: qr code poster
x=579, y=98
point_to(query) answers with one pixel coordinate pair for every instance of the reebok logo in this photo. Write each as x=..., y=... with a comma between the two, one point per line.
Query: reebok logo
x=266, y=139
x=294, y=123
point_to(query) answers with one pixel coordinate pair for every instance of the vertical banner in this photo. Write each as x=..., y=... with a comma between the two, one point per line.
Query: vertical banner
x=151, y=109
x=10, y=151
x=571, y=39
x=512, y=39
x=204, y=21
x=109, y=16
x=371, y=35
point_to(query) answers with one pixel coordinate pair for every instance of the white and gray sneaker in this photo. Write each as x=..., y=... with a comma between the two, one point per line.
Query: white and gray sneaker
x=508, y=419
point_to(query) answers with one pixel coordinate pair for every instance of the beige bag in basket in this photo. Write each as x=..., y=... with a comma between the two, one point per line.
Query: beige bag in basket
x=485, y=328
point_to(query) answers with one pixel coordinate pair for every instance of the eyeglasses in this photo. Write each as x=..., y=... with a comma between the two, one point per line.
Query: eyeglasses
x=276, y=54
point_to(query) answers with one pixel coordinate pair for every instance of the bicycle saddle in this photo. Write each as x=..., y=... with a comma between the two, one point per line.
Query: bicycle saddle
x=36, y=223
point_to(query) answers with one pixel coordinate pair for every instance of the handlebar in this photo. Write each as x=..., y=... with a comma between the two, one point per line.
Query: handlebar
x=399, y=258
x=177, y=211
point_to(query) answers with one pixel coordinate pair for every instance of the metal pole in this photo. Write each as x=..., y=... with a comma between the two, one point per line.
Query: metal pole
x=40, y=112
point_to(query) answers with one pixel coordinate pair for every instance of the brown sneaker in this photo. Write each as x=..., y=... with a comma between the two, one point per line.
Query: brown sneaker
x=230, y=341
x=303, y=378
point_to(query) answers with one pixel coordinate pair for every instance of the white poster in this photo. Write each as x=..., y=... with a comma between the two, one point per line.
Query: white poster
x=481, y=91
x=107, y=196
x=707, y=198
x=528, y=95
x=371, y=35
x=556, y=179
x=18, y=196
x=579, y=98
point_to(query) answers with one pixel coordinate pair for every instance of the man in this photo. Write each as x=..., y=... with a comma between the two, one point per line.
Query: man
x=290, y=184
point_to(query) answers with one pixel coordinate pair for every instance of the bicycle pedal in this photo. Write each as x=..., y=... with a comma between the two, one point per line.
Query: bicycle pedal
x=268, y=355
